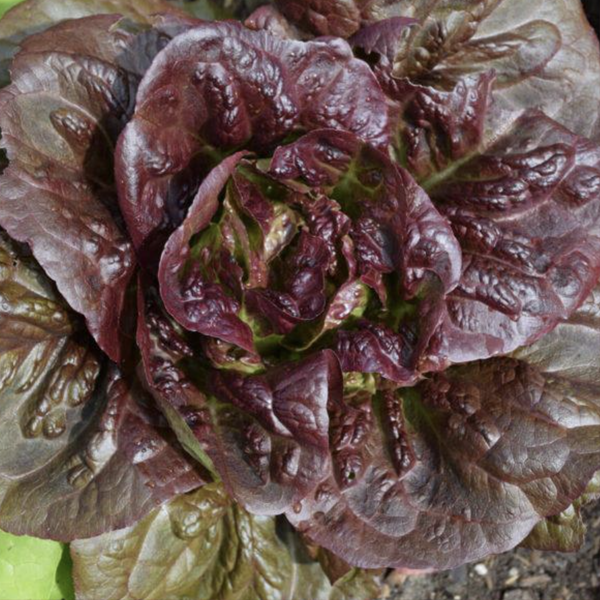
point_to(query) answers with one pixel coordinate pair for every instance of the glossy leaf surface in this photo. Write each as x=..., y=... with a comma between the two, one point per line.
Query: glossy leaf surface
x=220, y=87
x=73, y=90
x=231, y=554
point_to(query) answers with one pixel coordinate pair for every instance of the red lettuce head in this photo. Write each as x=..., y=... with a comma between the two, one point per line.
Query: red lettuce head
x=350, y=281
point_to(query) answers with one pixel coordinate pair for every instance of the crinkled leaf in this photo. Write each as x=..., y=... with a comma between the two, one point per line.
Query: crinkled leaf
x=526, y=213
x=30, y=569
x=306, y=255
x=80, y=454
x=163, y=346
x=462, y=466
x=230, y=554
x=544, y=53
x=302, y=297
x=265, y=434
x=410, y=234
x=272, y=430
x=48, y=372
x=196, y=300
x=73, y=90
x=438, y=127
x=261, y=220
x=405, y=250
x=566, y=531
x=219, y=276
x=220, y=87
x=571, y=353
x=375, y=348
x=340, y=18
x=119, y=463
x=268, y=18
x=379, y=42
x=35, y=16
x=572, y=350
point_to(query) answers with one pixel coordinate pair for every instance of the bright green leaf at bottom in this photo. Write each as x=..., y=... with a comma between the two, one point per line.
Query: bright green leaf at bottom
x=32, y=569
x=6, y=4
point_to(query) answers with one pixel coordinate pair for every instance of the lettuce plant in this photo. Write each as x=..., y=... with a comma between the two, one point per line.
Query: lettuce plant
x=290, y=301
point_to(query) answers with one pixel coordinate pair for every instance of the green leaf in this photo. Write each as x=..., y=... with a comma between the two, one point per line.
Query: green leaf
x=32, y=569
x=564, y=532
x=203, y=546
x=6, y=4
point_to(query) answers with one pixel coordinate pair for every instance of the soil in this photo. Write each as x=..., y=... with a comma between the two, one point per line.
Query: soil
x=592, y=8
x=517, y=575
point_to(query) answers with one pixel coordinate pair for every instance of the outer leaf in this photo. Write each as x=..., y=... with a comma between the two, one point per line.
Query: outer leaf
x=265, y=434
x=526, y=215
x=460, y=467
x=200, y=100
x=570, y=352
x=48, y=373
x=564, y=532
x=230, y=554
x=80, y=454
x=73, y=90
x=29, y=569
x=544, y=53
x=119, y=464
x=35, y=16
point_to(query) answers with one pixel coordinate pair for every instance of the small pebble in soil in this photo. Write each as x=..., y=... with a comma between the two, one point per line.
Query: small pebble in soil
x=513, y=576
x=481, y=569
x=519, y=595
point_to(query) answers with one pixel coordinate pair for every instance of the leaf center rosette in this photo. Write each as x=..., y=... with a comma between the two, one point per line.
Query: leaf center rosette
x=328, y=244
